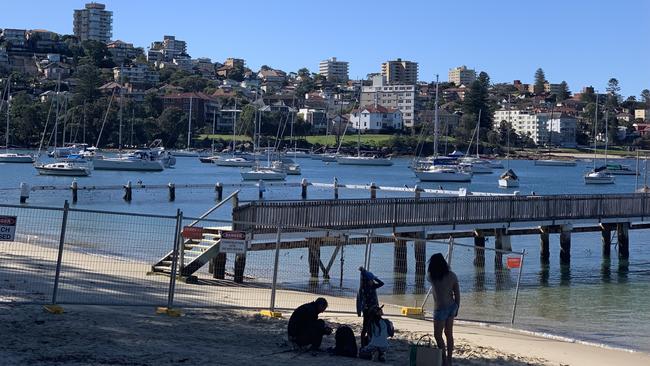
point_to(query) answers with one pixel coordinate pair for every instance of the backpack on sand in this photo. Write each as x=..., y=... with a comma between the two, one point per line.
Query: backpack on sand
x=346, y=343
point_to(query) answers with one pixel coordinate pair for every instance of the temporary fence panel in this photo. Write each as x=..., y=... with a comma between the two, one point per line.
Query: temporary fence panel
x=107, y=258
x=28, y=258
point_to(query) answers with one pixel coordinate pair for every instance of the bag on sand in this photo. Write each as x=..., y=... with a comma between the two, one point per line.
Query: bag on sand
x=346, y=343
x=424, y=353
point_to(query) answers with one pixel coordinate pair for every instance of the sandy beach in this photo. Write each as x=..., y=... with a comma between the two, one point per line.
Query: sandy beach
x=136, y=335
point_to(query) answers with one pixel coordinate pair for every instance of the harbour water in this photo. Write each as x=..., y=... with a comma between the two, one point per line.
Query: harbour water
x=595, y=301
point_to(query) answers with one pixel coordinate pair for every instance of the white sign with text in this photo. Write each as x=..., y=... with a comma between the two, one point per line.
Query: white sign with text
x=7, y=228
x=233, y=242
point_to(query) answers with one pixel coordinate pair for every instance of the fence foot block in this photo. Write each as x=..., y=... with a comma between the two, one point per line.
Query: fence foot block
x=168, y=311
x=412, y=312
x=53, y=309
x=271, y=314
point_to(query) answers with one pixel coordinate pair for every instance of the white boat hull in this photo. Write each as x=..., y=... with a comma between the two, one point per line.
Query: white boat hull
x=236, y=162
x=480, y=169
x=362, y=160
x=550, y=162
x=129, y=165
x=263, y=175
x=508, y=183
x=443, y=176
x=16, y=158
x=65, y=172
x=599, y=178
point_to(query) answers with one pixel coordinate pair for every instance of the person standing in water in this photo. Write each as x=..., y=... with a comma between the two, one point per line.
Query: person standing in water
x=446, y=296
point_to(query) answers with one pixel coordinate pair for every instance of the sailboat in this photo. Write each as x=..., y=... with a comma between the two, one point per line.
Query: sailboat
x=8, y=157
x=233, y=160
x=286, y=165
x=508, y=179
x=261, y=173
x=549, y=161
x=188, y=152
x=475, y=164
x=599, y=175
x=441, y=173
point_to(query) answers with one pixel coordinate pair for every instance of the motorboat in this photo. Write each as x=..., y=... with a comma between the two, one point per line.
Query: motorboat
x=555, y=162
x=187, y=153
x=16, y=158
x=509, y=179
x=208, y=159
x=619, y=169
x=443, y=173
x=140, y=160
x=263, y=174
x=234, y=162
x=599, y=177
x=68, y=168
x=364, y=160
x=476, y=166
x=298, y=154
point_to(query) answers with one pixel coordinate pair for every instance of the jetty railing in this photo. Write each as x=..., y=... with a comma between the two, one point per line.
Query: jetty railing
x=91, y=257
x=431, y=211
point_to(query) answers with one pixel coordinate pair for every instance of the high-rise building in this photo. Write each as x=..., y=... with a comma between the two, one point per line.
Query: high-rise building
x=333, y=70
x=462, y=76
x=93, y=23
x=400, y=72
x=395, y=96
x=543, y=128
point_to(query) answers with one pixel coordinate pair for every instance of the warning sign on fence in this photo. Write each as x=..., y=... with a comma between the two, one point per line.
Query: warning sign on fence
x=233, y=242
x=7, y=228
x=513, y=262
x=192, y=232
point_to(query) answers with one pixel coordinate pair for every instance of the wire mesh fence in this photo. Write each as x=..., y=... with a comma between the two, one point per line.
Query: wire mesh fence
x=75, y=256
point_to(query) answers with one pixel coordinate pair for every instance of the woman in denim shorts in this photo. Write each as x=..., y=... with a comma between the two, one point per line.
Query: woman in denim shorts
x=446, y=295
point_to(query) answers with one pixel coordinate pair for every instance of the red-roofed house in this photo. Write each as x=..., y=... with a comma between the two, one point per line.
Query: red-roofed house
x=375, y=118
x=204, y=107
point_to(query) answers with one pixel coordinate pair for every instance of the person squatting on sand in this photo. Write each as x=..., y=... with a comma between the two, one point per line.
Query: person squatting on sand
x=446, y=296
x=367, y=300
x=379, y=330
x=305, y=329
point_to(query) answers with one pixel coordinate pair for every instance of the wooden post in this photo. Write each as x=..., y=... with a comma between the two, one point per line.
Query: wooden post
x=420, y=249
x=314, y=257
x=128, y=192
x=606, y=236
x=261, y=189
x=544, y=244
x=501, y=242
x=373, y=191
x=399, y=258
x=24, y=192
x=219, y=189
x=219, y=266
x=75, y=190
x=622, y=230
x=240, y=266
x=172, y=192
x=336, y=188
x=303, y=191
x=418, y=192
x=479, y=248
x=565, y=244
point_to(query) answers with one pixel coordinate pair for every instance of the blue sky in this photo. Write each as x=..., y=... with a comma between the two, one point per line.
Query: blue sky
x=584, y=42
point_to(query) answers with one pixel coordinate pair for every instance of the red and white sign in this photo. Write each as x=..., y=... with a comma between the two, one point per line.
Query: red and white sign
x=7, y=228
x=192, y=232
x=513, y=262
x=233, y=242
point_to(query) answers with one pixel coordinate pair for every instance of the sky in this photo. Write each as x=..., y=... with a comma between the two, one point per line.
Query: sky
x=583, y=42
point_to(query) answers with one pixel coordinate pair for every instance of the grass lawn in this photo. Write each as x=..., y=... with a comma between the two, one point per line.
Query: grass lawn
x=224, y=137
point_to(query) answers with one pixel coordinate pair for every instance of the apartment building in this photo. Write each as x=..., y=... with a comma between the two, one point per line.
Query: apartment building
x=93, y=23
x=204, y=107
x=166, y=50
x=16, y=37
x=138, y=75
x=642, y=114
x=461, y=75
x=401, y=97
x=122, y=51
x=543, y=128
x=375, y=118
x=333, y=70
x=400, y=72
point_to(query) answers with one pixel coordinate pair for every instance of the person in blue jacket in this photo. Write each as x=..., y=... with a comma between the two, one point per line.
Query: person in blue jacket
x=367, y=300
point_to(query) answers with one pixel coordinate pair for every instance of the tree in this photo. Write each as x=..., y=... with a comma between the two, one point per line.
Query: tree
x=540, y=81
x=303, y=73
x=613, y=91
x=645, y=96
x=484, y=78
x=563, y=93
x=476, y=100
x=97, y=54
x=88, y=80
x=167, y=124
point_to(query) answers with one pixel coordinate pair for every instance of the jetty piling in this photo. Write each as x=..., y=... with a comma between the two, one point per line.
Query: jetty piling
x=479, y=248
x=544, y=245
x=606, y=236
x=74, y=187
x=336, y=188
x=622, y=231
x=565, y=244
x=172, y=192
x=24, y=192
x=420, y=249
x=400, y=256
x=373, y=191
x=128, y=192
x=219, y=189
x=314, y=245
x=303, y=188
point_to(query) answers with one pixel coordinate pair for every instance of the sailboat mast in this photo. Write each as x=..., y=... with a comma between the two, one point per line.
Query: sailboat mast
x=234, y=124
x=435, y=122
x=8, y=97
x=189, y=125
x=606, y=134
x=595, y=130
x=119, y=145
x=478, y=132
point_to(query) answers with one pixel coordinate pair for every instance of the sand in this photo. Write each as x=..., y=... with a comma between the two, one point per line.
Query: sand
x=136, y=335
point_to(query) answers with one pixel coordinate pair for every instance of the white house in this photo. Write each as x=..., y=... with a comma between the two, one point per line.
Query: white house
x=375, y=118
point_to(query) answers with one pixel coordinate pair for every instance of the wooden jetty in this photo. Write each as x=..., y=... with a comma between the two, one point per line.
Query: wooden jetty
x=333, y=222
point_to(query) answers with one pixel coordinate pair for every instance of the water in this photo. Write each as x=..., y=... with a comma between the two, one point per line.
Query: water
x=597, y=301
